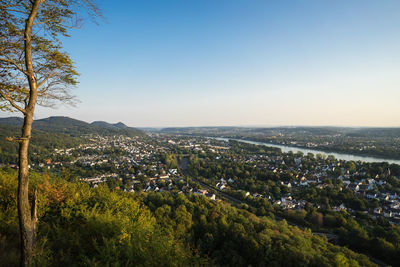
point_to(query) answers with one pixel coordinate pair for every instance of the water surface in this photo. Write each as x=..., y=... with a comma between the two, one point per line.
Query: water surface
x=340, y=156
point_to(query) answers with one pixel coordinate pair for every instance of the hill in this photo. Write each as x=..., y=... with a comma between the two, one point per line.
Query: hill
x=42, y=144
x=51, y=133
x=13, y=121
x=74, y=127
x=104, y=124
x=292, y=131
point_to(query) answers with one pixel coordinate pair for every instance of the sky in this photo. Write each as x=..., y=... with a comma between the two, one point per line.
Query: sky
x=159, y=63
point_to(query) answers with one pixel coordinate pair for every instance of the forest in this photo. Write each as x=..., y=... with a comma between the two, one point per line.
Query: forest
x=80, y=226
x=357, y=230
x=42, y=145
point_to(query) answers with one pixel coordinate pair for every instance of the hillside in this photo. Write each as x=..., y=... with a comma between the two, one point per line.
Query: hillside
x=292, y=131
x=42, y=144
x=98, y=227
x=53, y=132
x=104, y=124
x=13, y=121
x=74, y=127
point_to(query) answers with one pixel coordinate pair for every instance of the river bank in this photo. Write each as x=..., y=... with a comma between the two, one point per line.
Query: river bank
x=340, y=156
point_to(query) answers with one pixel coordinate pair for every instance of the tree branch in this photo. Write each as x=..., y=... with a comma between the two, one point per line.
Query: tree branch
x=45, y=21
x=10, y=5
x=16, y=10
x=16, y=139
x=46, y=79
x=7, y=97
x=13, y=63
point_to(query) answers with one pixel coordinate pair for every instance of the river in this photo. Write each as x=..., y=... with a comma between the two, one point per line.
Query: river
x=340, y=156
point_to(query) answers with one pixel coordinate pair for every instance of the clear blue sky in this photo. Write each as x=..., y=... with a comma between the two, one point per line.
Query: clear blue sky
x=239, y=62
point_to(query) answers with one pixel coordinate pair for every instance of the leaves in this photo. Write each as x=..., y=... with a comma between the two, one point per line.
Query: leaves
x=101, y=227
x=53, y=70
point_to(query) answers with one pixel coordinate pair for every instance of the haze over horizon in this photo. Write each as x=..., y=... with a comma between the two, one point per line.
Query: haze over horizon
x=238, y=63
x=202, y=126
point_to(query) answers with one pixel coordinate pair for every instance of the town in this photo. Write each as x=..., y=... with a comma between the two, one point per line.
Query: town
x=175, y=163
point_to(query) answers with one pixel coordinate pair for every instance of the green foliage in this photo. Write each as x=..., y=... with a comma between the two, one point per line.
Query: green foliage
x=51, y=133
x=42, y=144
x=9, y=232
x=79, y=226
x=73, y=127
x=171, y=161
x=83, y=226
x=234, y=237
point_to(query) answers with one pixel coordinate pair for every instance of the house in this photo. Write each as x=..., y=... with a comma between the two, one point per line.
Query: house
x=303, y=182
x=387, y=213
x=381, y=182
x=286, y=199
x=210, y=196
x=371, y=196
x=341, y=207
x=173, y=171
x=201, y=192
x=287, y=184
x=355, y=187
x=312, y=181
x=147, y=189
x=346, y=182
x=222, y=187
x=257, y=195
x=378, y=210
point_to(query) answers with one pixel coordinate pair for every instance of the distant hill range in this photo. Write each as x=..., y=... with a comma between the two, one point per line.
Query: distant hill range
x=227, y=131
x=104, y=124
x=73, y=127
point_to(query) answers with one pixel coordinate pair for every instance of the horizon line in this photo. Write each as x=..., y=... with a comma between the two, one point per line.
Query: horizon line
x=227, y=126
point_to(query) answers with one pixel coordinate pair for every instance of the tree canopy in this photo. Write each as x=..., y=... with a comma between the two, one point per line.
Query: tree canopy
x=46, y=67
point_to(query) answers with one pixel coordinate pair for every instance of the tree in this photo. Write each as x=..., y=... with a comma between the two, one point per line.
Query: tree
x=34, y=70
x=351, y=166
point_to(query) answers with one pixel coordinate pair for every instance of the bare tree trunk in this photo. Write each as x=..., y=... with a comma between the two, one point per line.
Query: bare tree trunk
x=27, y=212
